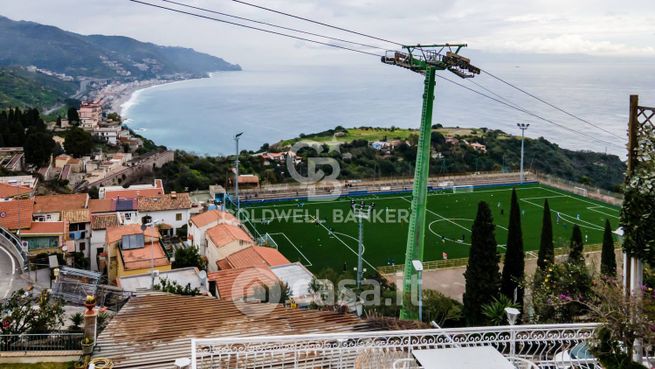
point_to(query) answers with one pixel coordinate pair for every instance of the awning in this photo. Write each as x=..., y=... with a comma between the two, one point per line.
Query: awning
x=477, y=357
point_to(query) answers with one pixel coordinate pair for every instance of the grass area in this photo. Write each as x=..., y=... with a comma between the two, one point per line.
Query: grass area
x=331, y=241
x=38, y=366
x=375, y=134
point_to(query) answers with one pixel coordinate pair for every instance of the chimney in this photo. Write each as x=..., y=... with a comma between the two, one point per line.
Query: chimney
x=173, y=195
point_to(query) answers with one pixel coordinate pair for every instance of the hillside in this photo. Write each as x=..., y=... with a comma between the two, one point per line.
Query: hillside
x=22, y=88
x=47, y=47
x=359, y=160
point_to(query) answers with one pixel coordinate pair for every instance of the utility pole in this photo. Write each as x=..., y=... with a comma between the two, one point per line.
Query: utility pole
x=522, y=127
x=362, y=212
x=425, y=60
x=236, y=173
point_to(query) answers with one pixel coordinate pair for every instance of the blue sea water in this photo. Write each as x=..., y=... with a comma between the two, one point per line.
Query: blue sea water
x=273, y=103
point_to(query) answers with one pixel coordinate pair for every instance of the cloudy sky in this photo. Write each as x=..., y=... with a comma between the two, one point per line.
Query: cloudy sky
x=594, y=27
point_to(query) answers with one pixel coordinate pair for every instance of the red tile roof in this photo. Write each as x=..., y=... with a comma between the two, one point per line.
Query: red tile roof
x=45, y=228
x=115, y=234
x=7, y=191
x=210, y=216
x=59, y=203
x=256, y=256
x=104, y=221
x=223, y=234
x=11, y=210
x=236, y=284
x=101, y=205
x=143, y=258
x=164, y=202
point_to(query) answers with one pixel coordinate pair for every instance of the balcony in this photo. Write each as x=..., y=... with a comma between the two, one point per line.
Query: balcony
x=523, y=346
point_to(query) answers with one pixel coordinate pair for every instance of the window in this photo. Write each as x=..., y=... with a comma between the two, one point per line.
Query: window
x=178, y=216
x=82, y=246
x=128, y=216
x=48, y=217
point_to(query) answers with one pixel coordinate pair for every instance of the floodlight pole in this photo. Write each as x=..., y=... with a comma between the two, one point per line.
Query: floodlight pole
x=362, y=212
x=522, y=127
x=236, y=172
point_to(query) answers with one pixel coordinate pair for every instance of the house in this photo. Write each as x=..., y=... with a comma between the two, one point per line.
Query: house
x=133, y=191
x=298, y=278
x=8, y=192
x=478, y=147
x=153, y=330
x=99, y=225
x=224, y=240
x=253, y=256
x=107, y=134
x=199, y=224
x=131, y=251
x=71, y=209
x=90, y=115
x=248, y=181
x=16, y=214
x=236, y=284
x=42, y=237
x=23, y=181
x=190, y=276
x=380, y=145
x=62, y=160
x=452, y=141
x=173, y=210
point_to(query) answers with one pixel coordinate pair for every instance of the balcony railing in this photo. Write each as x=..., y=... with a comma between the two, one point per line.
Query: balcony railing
x=40, y=342
x=528, y=346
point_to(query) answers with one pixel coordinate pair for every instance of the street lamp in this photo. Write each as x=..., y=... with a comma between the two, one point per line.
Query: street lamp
x=362, y=211
x=512, y=315
x=418, y=266
x=236, y=172
x=522, y=127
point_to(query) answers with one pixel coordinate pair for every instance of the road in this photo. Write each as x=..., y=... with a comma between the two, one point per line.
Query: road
x=8, y=273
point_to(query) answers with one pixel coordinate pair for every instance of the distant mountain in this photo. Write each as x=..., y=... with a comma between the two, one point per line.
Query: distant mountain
x=27, y=43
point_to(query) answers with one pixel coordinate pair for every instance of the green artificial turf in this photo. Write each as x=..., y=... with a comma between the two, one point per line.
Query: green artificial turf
x=332, y=241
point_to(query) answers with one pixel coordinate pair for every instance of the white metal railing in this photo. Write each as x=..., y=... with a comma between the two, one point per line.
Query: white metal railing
x=541, y=346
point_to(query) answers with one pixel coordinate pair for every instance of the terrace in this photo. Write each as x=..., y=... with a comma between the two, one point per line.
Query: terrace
x=520, y=346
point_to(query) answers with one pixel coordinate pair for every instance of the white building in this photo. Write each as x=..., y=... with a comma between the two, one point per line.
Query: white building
x=107, y=134
x=172, y=209
x=199, y=224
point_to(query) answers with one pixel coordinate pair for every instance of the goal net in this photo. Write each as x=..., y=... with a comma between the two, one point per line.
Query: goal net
x=580, y=191
x=462, y=189
x=267, y=240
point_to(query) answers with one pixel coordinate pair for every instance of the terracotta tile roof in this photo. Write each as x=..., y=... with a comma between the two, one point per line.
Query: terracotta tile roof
x=115, y=234
x=164, y=202
x=59, y=203
x=45, y=228
x=256, y=256
x=104, y=221
x=237, y=284
x=248, y=179
x=223, y=234
x=7, y=191
x=101, y=205
x=76, y=216
x=210, y=216
x=10, y=211
x=151, y=331
x=143, y=258
x=133, y=194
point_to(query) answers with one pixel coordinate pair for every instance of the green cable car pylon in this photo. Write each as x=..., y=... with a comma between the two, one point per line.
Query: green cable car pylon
x=426, y=60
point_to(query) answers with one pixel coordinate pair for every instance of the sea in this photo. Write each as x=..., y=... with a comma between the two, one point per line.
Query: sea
x=271, y=103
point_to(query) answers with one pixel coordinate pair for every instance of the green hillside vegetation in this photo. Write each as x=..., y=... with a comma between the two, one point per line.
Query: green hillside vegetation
x=28, y=43
x=358, y=160
x=22, y=88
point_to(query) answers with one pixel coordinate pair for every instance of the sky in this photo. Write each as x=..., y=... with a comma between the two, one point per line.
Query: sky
x=604, y=28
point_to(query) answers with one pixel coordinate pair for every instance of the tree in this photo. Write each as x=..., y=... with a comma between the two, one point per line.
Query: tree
x=78, y=142
x=577, y=248
x=171, y=286
x=189, y=257
x=607, y=256
x=38, y=148
x=22, y=313
x=73, y=116
x=514, y=266
x=546, y=248
x=495, y=310
x=482, y=276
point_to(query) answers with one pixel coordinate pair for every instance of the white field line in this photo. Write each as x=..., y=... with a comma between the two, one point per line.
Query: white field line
x=543, y=197
x=345, y=244
x=443, y=218
x=564, y=215
x=572, y=197
x=458, y=242
x=353, y=238
x=309, y=263
x=593, y=208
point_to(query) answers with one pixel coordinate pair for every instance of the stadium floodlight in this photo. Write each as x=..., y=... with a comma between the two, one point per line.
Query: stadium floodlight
x=236, y=173
x=362, y=212
x=522, y=127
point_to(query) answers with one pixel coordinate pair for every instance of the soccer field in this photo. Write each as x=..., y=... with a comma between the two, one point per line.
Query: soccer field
x=324, y=234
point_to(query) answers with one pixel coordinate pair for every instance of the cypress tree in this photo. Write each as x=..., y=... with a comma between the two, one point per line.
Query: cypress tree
x=575, y=254
x=607, y=256
x=514, y=266
x=482, y=276
x=546, y=248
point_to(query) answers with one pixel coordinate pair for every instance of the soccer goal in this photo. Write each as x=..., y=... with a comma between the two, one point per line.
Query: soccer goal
x=580, y=191
x=462, y=188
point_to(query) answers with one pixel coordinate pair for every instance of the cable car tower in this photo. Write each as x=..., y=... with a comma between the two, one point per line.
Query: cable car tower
x=426, y=60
